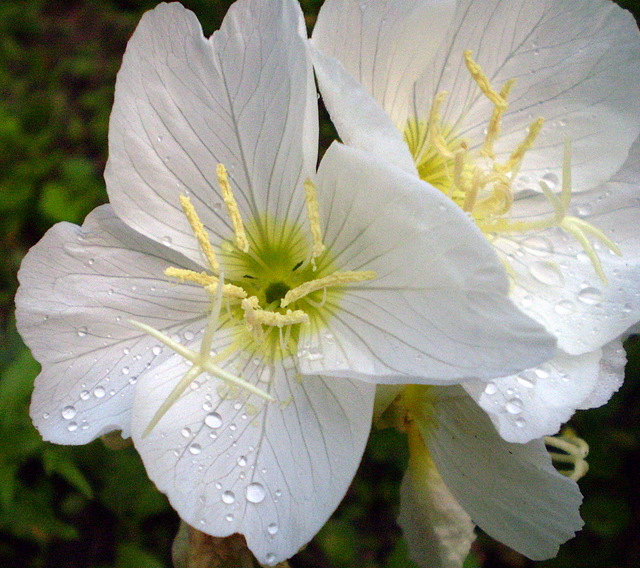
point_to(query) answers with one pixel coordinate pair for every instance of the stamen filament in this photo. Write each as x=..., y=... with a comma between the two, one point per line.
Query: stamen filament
x=210, y=283
x=335, y=279
x=195, y=358
x=232, y=207
x=199, y=231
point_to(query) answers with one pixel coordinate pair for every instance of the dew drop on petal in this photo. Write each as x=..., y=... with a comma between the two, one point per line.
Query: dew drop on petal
x=584, y=210
x=72, y=427
x=271, y=558
x=228, y=497
x=513, y=406
x=490, y=389
x=521, y=422
x=82, y=331
x=68, y=412
x=195, y=449
x=590, y=296
x=272, y=528
x=242, y=461
x=538, y=246
x=255, y=493
x=188, y=335
x=213, y=420
x=551, y=180
x=84, y=395
x=185, y=432
x=166, y=240
x=546, y=272
x=125, y=370
x=229, y=518
x=156, y=350
x=99, y=392
x=565, y=307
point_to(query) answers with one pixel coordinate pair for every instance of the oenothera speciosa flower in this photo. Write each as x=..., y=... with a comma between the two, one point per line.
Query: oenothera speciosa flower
x=232, y=310
x=462, y=473
x=526, y=114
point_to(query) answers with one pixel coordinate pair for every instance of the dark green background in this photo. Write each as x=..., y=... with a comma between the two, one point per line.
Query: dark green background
x=93, y=507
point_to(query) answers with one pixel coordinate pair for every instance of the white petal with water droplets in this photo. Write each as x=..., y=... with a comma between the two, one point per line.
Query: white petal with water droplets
x=575, y=64
x=554, y=280
x=183, y=104
x=511, y=491
x=536, y=402
x=438, y=308
x=78, y=288
x=235, y=463
x=610, y=376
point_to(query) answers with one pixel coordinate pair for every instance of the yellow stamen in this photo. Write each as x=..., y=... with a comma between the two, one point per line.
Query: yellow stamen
x=313, y=213
x=513, y=163
x=209, y=282
x=199, y=231
x=232, y=207
x=569, y=449
x=434, y=132
x=335, y=279
x=483, y=82
x=495, y=123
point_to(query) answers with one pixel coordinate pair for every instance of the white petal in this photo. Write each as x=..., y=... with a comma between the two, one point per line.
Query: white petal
x=360, y=121
x=438, y=308
x=538, y=401
x=383, y=44
x=78, y=288
x=235, y=463
x=576, y=64
x=438, y=531
x=610, y=376
x=555, y=282
x=511, y=491
x=183, y=104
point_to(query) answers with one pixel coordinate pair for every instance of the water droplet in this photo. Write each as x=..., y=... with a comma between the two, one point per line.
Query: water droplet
x=229, y=518
x=271, y=558
x=68, y=412
x=233, y=427
x=228, y=497
x=217, y=205
x=90, y=261
x=242, y=461
x=189, y=335
x=185, y=432
x=565, y=307
x=315, y=354
x=99, y=392
x=514, y=406
x=82, y=331
x=552, y=180
x=527, y=379
x=272, y=528
x=520, y=422
x=255, y=493
x=538, y=246
x=207, y=406
x=237, y=405
x=213, y=420
x=590, y=296
x=546, y=272
x=84, y=395
x=490, y=389
x=72, y=427
x=133, y=380
x=195, y=449
x=46, y=416
x=584, y=210
x=125, y=370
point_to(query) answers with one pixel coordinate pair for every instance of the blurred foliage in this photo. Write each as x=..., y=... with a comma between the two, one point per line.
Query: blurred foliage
x=92, y=506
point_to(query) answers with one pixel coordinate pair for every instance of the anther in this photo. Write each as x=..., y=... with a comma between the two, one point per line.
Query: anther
x=199, y=231
x=210, y=283
x=313, y=214
x=232, y=207
x=568, y=450
x=335, y=279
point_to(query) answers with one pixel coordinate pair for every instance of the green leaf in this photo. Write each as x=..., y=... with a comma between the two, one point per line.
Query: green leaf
x=56, y=460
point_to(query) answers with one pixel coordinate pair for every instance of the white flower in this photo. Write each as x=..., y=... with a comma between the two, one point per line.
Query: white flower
x=456, y=92
x=231, y=309
x=462, y=473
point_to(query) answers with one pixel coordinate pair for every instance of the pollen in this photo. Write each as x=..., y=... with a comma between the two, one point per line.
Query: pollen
x=232, y=207
x=313, y=214
x=199, y=231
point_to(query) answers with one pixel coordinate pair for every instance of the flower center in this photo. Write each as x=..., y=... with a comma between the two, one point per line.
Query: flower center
x=483, y=186
x=270, y=282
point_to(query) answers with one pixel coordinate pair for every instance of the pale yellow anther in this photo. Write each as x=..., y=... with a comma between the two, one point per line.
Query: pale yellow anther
x=434, y=132
x=313, y=214
x=210, y=283
x=513, y=163
x=495, y=123
x=471, y=193
x=483, y=82
x=232, y=207
x=335, y=279
x=276, y=319
x=199, y=231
